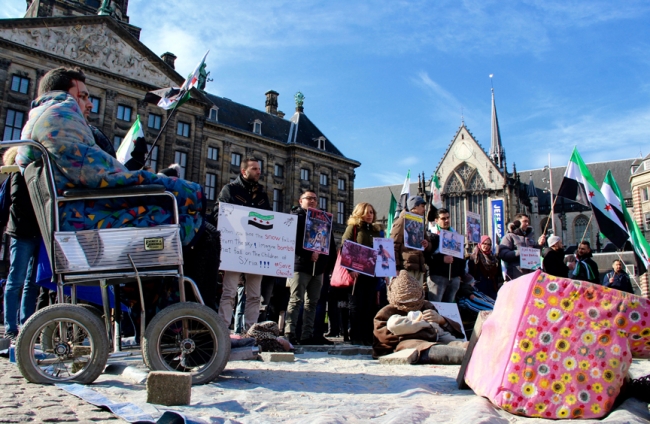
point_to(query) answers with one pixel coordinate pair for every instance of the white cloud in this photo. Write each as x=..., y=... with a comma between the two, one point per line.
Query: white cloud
x=387, y=178
x=408, y=161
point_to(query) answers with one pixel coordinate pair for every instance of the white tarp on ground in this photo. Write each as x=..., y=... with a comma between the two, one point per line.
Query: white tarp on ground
x=322, y=388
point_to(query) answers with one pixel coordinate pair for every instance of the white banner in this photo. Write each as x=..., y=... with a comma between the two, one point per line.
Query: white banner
x=529, y=258
x=257, y=241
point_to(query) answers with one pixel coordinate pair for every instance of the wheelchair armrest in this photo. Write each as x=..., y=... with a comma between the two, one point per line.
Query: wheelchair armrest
x=139, y=190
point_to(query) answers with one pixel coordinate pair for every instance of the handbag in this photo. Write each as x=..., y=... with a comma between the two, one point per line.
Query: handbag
x=340, y=276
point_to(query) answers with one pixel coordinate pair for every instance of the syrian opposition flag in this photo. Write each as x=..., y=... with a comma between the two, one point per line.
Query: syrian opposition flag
x=436, y=198
x=128, y=143
x=578, y=185
x=263, y=222
x=613, y=194
x=177, y=96
x=391, y=213
x=404, y=195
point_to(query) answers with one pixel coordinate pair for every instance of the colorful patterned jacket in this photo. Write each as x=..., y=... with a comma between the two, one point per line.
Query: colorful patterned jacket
x=57, y=123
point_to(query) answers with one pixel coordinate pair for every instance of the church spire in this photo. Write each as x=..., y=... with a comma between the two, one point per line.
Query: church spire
x=497, y=154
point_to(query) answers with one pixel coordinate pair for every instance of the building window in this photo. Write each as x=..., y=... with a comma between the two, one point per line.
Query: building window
x=154, y=121
x=181, y=159
x=152, y=162
x=214, y=114
x=235, y=159
x=210, y=186
x=95, y=101
x=304, y=174
x=277, y=200
x=213, y=153
x=278, y=171
x=183, y=128
x=19, y=84
x=582, y=232
x=340, y=212
x=13, y=124
x=322, y=203
x=323, y=179
x=321, y=143
x=647, y=222
x=341, y=184
x=645, y=193
x=117, y=140
x=124, y=113
x=261, y=163
x=257, y=126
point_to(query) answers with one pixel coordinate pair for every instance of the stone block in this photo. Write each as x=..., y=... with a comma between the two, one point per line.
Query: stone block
x=403, y=357
x=169, y=388
x=277, y=356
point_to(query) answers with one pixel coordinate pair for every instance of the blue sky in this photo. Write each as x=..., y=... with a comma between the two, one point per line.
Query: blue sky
x=386, y=81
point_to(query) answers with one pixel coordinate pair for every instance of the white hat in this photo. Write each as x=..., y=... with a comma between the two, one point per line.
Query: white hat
x=553, y=240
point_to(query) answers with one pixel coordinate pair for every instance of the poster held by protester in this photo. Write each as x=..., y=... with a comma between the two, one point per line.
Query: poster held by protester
x=413, y=231
x=473, y=227
x=359, y=258
x=529, y=258
x=257, y=241
x=452, y=244
x=318, y=230
x=385, y=266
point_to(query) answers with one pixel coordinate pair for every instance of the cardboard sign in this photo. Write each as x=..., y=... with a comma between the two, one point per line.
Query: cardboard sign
x=529, y=258
x=359, y=258
x=318, y=230
x=452, y=244
x=257, y=241
x=450, y=310
x=385, y=257
x=413, y=231
x=473, y=227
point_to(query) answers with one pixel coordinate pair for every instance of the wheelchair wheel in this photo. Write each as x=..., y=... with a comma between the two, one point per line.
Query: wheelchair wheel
x=187, y=337
x=52, y=330
x=77, y=355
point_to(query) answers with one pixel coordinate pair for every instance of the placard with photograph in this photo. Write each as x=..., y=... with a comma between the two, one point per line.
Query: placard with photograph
x=450, y=310
x=257, y=241
x=473, y=227
x=529, y=258
x=359, y=258
x=385, y=257
x=318, y=230
x=413, y=231
x=452, y=244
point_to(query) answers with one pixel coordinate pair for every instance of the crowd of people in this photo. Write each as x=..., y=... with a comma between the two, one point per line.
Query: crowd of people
x=374, y=311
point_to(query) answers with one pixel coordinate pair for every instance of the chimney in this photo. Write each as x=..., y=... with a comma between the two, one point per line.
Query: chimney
x=281, y=114
x=272, y=102
x=169, y=58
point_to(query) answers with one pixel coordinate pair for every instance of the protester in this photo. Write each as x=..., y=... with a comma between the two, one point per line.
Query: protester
x=25, y=234
x=553, y=262
x=617, y=278
x=412, y=260
x=585, y=268
x=411, y=322
x=520, y=234
x=485, y=267
x=445, y=271
x=361, y=229
x=244, y=191
x=307, y=280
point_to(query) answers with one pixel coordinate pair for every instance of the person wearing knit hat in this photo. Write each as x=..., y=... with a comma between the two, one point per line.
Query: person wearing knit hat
x=406, y=258
x=409, y=321
x=553, y=262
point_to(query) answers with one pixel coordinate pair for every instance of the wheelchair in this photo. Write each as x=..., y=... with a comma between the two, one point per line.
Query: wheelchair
x=69, y=342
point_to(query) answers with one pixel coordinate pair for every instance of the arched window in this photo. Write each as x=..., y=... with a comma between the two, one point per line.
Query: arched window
x=582, y=232
x=454, y=185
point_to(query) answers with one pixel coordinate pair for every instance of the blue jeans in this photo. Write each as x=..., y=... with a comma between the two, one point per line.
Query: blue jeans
x=22, y=275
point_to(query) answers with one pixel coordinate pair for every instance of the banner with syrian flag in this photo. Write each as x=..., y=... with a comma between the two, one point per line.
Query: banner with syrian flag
x=175, y=97
x=640, y=245
x=404, y=195
x=128, y=143
x=579, y=185
x=436, y=197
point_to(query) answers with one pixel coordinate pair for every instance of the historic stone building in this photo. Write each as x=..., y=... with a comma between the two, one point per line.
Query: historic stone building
x=640, y=186
x=208, y=136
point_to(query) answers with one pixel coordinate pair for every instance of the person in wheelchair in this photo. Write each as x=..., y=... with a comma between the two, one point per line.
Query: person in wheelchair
x=57, y=121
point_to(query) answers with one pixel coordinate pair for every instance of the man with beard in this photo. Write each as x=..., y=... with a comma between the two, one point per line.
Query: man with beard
x=554, y=258
x=520, y=234
x=585, y=267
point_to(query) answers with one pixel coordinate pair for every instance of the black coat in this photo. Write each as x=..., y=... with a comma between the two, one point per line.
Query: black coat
x=621, y=281
x=303, y=262
x=244, y=193
x=554, y=263
x=582, y=272
x=22, y=220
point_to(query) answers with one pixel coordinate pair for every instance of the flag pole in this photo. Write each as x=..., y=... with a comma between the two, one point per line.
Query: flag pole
x=146, y=158
x=625, y=268
x=550, y=179
x=587, y=228
x=552, y=217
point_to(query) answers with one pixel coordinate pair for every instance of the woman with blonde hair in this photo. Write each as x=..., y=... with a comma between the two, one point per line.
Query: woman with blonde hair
x=361, y=229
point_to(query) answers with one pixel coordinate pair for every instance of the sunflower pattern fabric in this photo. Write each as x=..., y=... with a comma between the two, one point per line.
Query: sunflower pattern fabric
x=56, y=122
x=567, y=350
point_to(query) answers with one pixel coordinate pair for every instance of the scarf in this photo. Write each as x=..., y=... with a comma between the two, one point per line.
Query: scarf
x=488, y=264
x=579, y=263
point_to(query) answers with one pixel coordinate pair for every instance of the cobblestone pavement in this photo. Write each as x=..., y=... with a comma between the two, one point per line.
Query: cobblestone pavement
x=21, y=401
